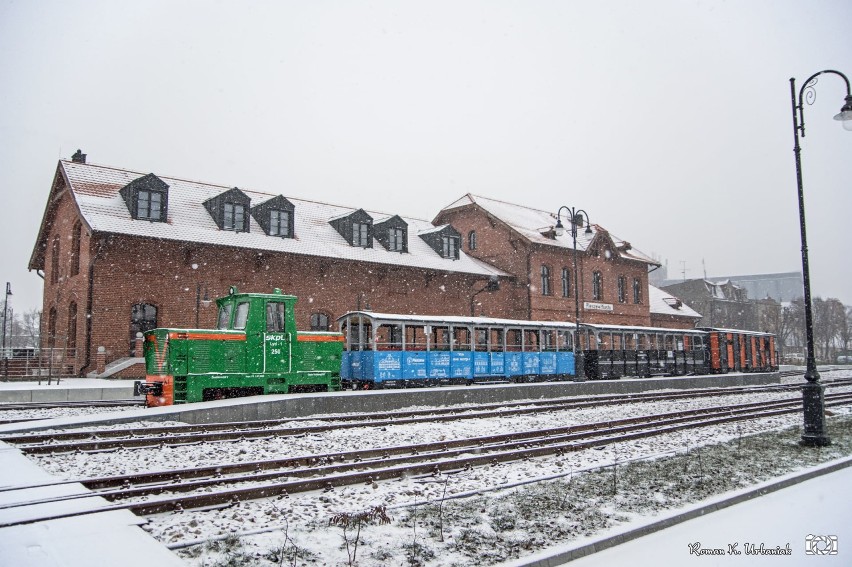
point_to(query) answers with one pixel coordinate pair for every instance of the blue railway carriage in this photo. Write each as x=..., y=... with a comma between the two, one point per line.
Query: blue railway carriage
x=387, y=350
x=613, y=351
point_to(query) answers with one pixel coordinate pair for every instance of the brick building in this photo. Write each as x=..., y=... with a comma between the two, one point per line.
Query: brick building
x=726, y=304
x=124, y=252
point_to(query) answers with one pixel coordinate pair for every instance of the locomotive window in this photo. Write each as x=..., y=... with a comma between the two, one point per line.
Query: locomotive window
x=224, y=320
x=241, y=315
x=274, y=317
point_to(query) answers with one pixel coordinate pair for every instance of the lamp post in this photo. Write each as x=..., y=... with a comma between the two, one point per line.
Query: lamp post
x=813, y=398
x=199, y=301
x=5, y=319
x=576, y=217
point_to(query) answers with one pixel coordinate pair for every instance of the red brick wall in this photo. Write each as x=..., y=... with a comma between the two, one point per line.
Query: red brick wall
x=501, y=246
x=130, y=270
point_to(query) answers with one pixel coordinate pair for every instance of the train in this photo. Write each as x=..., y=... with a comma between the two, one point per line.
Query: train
x=256, y=349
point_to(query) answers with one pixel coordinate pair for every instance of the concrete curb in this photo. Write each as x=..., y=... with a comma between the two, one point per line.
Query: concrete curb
x=616, y=539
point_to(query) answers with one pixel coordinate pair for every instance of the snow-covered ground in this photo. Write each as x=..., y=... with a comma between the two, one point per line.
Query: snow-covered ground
x=481, y=516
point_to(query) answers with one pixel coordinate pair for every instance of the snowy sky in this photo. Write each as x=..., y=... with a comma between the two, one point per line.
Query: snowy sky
x=668, y=121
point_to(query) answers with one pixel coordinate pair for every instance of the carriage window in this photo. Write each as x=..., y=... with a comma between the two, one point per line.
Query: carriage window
x=617, y=342
x=564, y=340
x=440, y=338
x=481, y=339
x=531, y=340
x=274, y=317
x=497, y=340
x=547, y=340
x=513, y=340
x=224, y=319
x=241, y=316
x=697, y=343
x=461, y=338
x=605, y=341
x=415, y=337
x=389, y=337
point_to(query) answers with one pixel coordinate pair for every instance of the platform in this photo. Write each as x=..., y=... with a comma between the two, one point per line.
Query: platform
x=302, y=405
x=67, y=390
x=102, y=538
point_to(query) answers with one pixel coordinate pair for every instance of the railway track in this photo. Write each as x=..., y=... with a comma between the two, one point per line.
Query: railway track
x=153, y=493
x=105, y=440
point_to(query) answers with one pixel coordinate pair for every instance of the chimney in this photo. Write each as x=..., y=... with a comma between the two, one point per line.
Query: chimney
x=79, y=157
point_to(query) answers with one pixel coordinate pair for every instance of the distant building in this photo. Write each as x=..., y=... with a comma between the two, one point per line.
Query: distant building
x=782, y=287
x=727, y=305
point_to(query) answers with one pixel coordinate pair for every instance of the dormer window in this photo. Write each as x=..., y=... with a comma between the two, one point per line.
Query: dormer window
x=149, y=205
x=229, y=210
x=451, y=247
x=356, y=228
x=146, y=198
x=234, y=217
x=444, y=240
x=392, y=233
x=275, y=216
x=279, y=223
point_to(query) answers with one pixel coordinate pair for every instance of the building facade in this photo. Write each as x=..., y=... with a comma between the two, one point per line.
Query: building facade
x=123, y=252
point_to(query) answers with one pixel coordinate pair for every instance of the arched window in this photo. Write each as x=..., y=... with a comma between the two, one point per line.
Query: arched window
x=51, y=328
x=597, y=286
x=566, y=282
x=143, y=317
x=54, y=260
x=319, y=322
x=75, y=248
x=72, y=328
x=637, y=291
x=546, y=288
x=471, y=240
x=622, y=289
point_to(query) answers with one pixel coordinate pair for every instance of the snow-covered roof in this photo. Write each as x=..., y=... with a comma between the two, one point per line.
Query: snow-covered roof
x=533, y=224
x=664, y=303
x=96, y=191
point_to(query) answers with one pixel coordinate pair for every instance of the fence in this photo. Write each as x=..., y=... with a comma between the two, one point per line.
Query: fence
x=26, y=363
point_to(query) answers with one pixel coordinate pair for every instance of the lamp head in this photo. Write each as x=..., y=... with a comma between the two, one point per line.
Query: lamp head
x=559, y=229
x=588, y=229
x=845, y=115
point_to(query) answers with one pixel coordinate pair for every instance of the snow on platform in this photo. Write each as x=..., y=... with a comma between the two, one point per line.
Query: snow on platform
x=104, y=538
x=68, y=389
x=755, y=532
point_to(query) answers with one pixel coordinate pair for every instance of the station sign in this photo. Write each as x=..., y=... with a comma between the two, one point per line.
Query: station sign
x=590, y=306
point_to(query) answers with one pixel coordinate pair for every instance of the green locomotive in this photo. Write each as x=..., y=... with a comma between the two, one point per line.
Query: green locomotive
x=254, y=350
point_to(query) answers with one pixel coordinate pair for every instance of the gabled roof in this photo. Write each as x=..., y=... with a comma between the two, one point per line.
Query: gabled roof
x=664, y=303
x=95, y=190
x=533, y=224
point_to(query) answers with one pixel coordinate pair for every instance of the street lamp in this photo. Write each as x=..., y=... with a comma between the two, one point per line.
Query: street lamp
x=576, y=217
x=813, y=393
x=199, y=301
x=5, y=315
